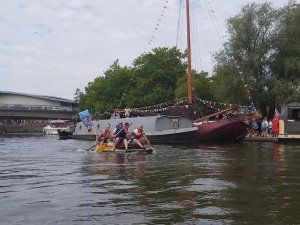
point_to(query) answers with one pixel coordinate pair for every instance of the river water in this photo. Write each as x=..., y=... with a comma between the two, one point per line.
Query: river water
x=48, y=181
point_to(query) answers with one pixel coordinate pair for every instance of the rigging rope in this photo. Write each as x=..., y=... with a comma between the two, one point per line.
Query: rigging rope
x=229, y=50
x=158, y=23
x=213, y=18
x=196, y=40
x=178, y=23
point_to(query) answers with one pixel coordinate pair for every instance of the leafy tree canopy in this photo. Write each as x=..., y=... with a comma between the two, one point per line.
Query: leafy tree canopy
x=259, y=63
x=263, y=48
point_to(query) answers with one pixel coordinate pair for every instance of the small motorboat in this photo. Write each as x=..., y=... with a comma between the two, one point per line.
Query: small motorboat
x=64, y=134
x=54, y=125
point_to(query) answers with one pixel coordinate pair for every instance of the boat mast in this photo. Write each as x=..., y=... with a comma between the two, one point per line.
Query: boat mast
x=189, y=72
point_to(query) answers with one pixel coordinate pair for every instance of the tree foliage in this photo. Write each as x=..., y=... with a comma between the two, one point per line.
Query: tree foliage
x=202, y=86
x=106, y=92
x=151, y=80
x=155, y=77
x=286, y=64
x=259, y=56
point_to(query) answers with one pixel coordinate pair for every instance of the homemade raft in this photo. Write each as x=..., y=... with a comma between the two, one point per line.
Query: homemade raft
x=108, y=147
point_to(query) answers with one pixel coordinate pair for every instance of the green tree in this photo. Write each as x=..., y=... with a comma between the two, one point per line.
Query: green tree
x=261, y=56
x=155, y=77
x=244, y=64
x=287, y=58
x=202, y=86
x=286, y=64
x=77, y=95
x=107, y=91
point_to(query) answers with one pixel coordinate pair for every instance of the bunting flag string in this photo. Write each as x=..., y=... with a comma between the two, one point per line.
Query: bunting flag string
x=158, y=23
x=241, y=74
x=213, y=17
x=165, y=4
x=229, y=49
x=181, y=103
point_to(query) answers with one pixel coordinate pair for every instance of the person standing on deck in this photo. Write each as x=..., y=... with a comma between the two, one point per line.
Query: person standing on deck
x=120, y=133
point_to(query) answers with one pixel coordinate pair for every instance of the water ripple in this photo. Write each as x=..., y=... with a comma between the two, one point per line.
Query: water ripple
x=44, y=179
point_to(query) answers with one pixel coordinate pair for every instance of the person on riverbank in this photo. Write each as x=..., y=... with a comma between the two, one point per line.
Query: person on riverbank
x=275, y=125
x=120, y=135
x=115, y=115
x=254, y=126
x=264, y=127
x=270, y=128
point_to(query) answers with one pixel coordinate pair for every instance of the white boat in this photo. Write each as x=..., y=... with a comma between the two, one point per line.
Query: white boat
x=54, y=125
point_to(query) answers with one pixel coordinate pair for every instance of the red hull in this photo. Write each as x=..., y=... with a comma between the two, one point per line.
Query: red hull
x=223, y=130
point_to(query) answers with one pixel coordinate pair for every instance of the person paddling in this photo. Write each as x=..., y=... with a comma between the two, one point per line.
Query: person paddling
x=140, y=138
x=120, y=134
x=104, y=136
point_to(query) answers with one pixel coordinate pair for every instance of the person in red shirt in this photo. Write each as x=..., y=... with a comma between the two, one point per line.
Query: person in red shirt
x=275, y=125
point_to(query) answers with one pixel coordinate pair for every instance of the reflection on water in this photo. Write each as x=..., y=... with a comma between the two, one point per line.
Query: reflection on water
x=43, y=179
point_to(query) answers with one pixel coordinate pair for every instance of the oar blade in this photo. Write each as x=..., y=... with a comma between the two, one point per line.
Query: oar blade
x=100, y=148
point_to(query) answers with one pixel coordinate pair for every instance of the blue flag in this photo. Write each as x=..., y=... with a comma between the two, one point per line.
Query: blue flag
x=86, y=118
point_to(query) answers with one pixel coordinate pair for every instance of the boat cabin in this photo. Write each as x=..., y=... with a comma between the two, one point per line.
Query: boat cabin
x=289, y=123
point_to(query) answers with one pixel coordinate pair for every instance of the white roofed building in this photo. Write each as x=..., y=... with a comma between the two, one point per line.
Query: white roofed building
x=20, y=105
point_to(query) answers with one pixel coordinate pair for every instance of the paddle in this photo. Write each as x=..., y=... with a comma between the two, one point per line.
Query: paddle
x=101, y=147
x=148, y=142
x=96, y=142
x=91, y=147
x=104, y=147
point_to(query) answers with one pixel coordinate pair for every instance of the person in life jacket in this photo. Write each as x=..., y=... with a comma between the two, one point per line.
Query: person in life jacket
x=138, y=136
x=118, y=128
x=120, y=135
x=104, y=136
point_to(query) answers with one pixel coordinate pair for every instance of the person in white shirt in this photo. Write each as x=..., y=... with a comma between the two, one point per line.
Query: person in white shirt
x=270, y=128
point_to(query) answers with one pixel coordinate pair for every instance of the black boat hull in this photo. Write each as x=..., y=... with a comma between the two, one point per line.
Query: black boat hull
x=63, y=135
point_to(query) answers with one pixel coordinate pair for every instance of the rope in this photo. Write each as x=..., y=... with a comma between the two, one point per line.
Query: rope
x=149, y=43
x=235, y=63
x=158, y=23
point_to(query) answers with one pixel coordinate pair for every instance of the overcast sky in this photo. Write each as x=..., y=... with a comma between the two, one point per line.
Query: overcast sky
x=52, y=47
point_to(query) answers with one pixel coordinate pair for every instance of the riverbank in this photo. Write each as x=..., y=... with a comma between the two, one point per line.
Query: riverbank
x=23, y=128
x=261, y=139
x=24, y=134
